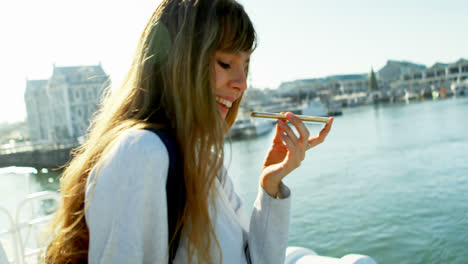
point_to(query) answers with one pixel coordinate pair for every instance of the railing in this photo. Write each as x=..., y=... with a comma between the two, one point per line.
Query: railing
x=20, y=255
x=298, y=255
x=11, y=230
x=17, y=245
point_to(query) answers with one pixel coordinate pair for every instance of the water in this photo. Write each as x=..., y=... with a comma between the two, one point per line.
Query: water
x=390, y=182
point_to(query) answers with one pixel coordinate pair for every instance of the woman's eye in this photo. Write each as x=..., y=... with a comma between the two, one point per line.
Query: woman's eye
x=224, y=65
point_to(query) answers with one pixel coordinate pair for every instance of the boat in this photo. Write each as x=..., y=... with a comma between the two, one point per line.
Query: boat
x=459, y=89
x=275, y=105
x=317, y=108
x=249, y=128
x=262, y=126
x=242, y=128
x=428, y=93
x=352, y=100
x=334, y=109
x=410, y=96
x=314, y=108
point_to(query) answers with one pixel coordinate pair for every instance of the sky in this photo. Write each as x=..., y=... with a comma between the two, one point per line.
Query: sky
x=297, y=39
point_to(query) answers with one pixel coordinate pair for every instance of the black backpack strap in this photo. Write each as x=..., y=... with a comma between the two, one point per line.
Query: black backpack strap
x=175, y=187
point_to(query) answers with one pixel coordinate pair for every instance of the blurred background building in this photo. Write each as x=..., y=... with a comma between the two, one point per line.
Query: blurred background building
x=394, y=81
x=59, y=109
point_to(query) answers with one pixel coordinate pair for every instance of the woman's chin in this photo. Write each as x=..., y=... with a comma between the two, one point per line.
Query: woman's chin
x=223, y=115
x=223, y=111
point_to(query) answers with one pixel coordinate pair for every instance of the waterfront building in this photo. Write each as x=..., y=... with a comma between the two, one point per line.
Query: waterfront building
x=59, y=108
x=305, y=88
x=458, y=71
x=393, y=70
x=439, y=75
x=393, y=80
x=353, y=86
x=37, y=109
x=336, y=84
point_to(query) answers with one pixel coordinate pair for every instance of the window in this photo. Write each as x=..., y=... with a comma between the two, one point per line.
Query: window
x=417, y=76
x=90, y=93
x=453, y=70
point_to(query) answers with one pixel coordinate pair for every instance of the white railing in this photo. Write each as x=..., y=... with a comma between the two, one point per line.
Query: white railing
x=15, y=250
x=11, y=231
x=300, y=255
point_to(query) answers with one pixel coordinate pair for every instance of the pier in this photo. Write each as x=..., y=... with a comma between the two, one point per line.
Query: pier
x=39, y=156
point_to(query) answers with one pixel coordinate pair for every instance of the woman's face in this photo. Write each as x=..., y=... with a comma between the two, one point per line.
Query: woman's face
x=230, y=78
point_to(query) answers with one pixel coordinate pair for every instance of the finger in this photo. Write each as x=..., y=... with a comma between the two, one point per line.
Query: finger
x=294, y=156
x=284, y=126
x=300, y=127
x=321, y=136
x=277, y=138
x=289, y=143
x=296, y=147
x=318, y=139
x=326, y=129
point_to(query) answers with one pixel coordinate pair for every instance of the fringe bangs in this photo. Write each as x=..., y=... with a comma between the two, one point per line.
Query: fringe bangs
x=236, y=30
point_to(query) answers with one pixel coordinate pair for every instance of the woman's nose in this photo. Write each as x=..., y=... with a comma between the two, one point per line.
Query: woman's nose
x=239, y=80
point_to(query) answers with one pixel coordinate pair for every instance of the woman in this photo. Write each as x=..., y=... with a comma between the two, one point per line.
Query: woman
x=188, y=77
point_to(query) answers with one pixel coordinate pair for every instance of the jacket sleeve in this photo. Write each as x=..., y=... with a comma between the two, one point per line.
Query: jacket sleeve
x=126, y=199
x=268, y=230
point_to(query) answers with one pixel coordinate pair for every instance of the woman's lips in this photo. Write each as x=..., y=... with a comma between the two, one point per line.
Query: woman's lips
x=224, y=101
x=224, y=104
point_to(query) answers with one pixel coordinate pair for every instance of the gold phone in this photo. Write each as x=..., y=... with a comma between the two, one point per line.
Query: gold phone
x=283, y=116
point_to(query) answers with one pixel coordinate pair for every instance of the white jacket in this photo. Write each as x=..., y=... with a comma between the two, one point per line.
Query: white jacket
x=127, y=211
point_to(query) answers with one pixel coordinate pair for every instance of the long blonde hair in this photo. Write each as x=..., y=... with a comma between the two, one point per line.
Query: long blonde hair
x=168, y=86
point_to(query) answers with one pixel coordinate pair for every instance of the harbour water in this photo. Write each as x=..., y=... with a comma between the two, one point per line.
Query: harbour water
x=391, y=182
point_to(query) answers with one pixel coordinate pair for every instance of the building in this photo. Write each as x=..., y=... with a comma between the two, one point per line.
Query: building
x=392, y=79
x=59, y=109
x=37, y=109
x=355, y=84
x=393, y=70
x=439, y=75
x=335, y=85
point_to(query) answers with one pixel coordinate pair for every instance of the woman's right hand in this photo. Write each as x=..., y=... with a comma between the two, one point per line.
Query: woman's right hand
x=287, y=151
